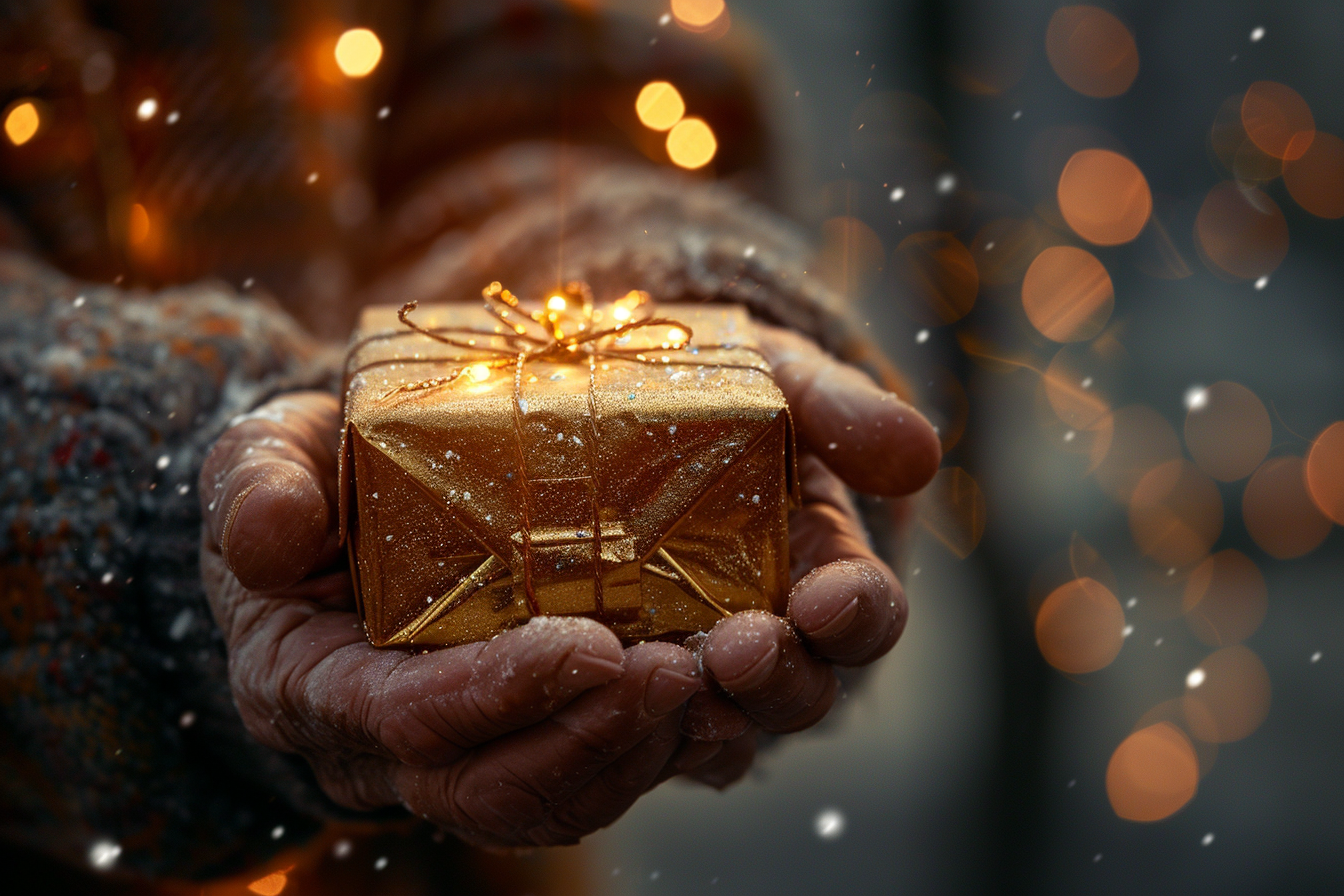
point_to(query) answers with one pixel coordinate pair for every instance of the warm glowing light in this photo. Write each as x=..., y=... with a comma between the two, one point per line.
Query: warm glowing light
x=137, y=230
x=1104, y=197
x=270, y=885
x=358, y=52
x=939, y=273
x=697, y=15
x=556, y=303
x=1325, y=472
x=1232, y=699
x=1227, y=430
x=1225, y=599
x=479, y=372
x=1152, y=774
x=676, y=336
x=1067, y=294
x=1279, y=512
x=1080, y=627
x=148, y=108
x=1091, y=50
x=659, y=105
x=1240, y=231
x=1277, y=120
x=1316, y=180
x=22, y=121
x=1142, y=440
x=691, y=143
x=621, y=313
x=1175, y=514
x=953, y=510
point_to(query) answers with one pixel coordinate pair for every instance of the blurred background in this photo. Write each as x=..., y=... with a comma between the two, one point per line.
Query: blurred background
x=1106, y=240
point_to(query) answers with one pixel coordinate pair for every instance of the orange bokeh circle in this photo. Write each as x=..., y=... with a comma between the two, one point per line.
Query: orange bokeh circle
x=1152, y=774
x=1231, y=698
x=1325, y=472
x=1229, y=433
x=1279, y=512
x=1142, y=438
x=1241, y=232
x=939, y=273
x=1277, y=120
x=1080, y=627
x=1091, y=50
x=1225, y=598
x=1067, y=294
x=1104, y=197
x=1316, y=180
x=1175, y=514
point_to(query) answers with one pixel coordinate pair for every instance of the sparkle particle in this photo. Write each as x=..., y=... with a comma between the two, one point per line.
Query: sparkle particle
x=922, y=336
x=829, y=824
x=1196, y=398
x=1195, y=678
x=1256, y=34
x=103, y=854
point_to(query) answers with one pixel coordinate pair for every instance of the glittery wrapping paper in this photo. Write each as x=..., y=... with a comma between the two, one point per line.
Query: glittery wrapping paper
x=649, y=492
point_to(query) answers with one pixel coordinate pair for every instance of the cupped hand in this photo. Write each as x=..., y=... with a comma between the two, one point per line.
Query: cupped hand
x=846, y=607
x=540, y=736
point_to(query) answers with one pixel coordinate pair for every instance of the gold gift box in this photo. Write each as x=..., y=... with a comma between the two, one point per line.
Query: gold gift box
x=490, y=474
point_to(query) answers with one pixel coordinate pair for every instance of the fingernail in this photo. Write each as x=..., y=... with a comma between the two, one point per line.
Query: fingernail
x=839, y=622
x=582, y=671
x=668, y=689
x=741, y=669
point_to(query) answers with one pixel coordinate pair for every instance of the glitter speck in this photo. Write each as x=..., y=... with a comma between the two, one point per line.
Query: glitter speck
x=1262, y=282
x=79, y=301
x=1127, y=631
x=755, y=499
x=1068, y=436
x=187, y=719
x=922, y=336
x=829, y=824
x=1087, y=382
x=663, y=20
x=162, y=462
x=1208, y=838
x=833, y=446
x=107, y=578
x=748, y=252
x=1256, y=34
x=1096, y=858
x=342, y=849
x=384, y=112
x=1195, y=678
x=277, y=832
x=380, y=864
x=898, y=194
x=1017, y=115
x=148, y=108
x=1196, y=398
x=389, y=538
x=173, y=117
x=312, y=177
x=946, y=183
x=1316, y=657
x=103, y=854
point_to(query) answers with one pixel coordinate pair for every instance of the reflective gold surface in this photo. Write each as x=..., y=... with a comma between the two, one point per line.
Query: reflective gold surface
x=623, y=480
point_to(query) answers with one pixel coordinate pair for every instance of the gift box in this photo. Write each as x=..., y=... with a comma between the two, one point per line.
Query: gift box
x=627, y=462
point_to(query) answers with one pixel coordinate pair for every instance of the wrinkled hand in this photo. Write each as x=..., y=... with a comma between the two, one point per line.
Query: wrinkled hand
x=538, y=737
x=846, y=607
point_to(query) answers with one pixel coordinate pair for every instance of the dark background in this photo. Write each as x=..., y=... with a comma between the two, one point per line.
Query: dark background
x=967, y=764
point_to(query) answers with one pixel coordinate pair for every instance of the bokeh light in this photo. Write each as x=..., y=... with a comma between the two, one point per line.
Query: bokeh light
x=952, y=510
x=271, y=885
x=939, y=276
x=697, y=15
x=691, y=143
x=1231, y=698
x=1071, y=390
x=1228, y=431
x=358, y=52
x=1067, y=294
x=22, y=121
x=1080, y=627
x=1316, y=179
x=1277, y=120
x=1142, y=440
x=1104, y=197
x=851, y=257
x=1325, y=472
x=1240, y=231
x=1225, y=598
x=659, y=105
x=1175, y=514
x=1152, y=774
x=1092, y=51
x=138, y=225
x=1279, y=512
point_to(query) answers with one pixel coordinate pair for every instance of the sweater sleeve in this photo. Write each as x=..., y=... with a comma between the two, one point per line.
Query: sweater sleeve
x=119, y=742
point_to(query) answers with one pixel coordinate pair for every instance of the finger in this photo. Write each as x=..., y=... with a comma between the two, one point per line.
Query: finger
x=759, y=661
x=306, y=680
x=877, y=443
x=612, y=791
x=691, y=755
x=729, y=765
x=509, y=787
x=269, y=489
x=849, y=608
x=713, y=717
